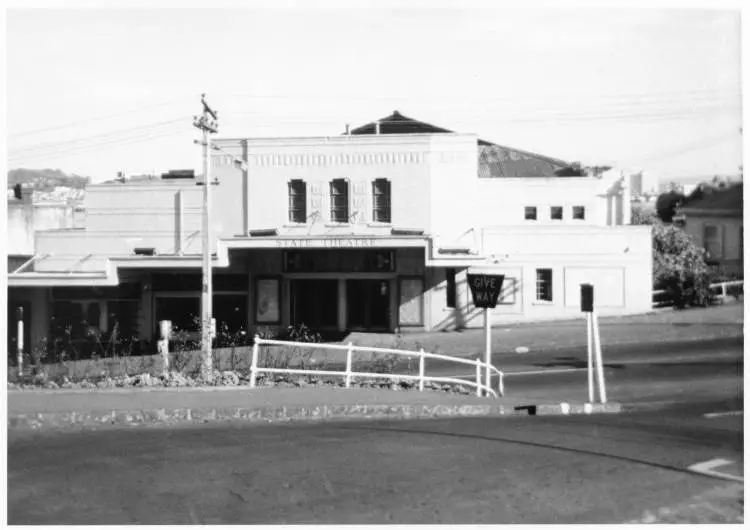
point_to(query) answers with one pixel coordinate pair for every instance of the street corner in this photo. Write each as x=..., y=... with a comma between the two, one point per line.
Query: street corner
x=567, y=409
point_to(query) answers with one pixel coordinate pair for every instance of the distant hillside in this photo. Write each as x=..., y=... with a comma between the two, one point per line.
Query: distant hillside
x=45, y=179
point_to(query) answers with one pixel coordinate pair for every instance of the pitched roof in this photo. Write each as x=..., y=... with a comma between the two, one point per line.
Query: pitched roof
x=720, y=199
x=494, y=160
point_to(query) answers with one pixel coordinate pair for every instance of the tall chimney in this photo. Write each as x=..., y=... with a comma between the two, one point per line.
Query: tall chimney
x=347, y=130
x=377, y=127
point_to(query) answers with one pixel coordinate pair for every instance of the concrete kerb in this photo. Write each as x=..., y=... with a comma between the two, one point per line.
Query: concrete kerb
x=295, y=413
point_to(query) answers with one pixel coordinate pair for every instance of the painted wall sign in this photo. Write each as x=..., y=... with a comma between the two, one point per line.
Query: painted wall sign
x=334, y=242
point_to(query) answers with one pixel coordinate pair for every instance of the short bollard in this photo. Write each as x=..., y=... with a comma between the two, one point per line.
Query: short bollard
x=479, y=377
x=165, y=328
x=254, y=361
x=348, y=381
x=421, y=370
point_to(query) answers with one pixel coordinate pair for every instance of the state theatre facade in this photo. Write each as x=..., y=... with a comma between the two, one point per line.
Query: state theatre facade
x=360, y=232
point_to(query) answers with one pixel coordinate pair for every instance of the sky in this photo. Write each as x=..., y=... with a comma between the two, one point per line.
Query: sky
x=97, y=91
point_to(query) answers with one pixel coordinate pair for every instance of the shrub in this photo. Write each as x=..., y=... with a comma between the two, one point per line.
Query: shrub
x=680, y=267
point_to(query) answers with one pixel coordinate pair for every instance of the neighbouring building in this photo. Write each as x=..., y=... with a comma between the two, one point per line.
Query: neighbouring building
x=715, y=222
x=373, y=230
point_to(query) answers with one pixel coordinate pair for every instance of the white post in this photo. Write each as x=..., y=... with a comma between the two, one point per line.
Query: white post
x=421, y=369
x=487, y=347
x=349, y=366
x=19, y=342
x=723, y=291
x=254, y=362
x=598, y=352
x=165, y=327
x=479, y=377
x=590, y=352
x=500, y=386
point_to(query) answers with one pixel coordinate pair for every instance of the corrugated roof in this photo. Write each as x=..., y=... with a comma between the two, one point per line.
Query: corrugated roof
x=494, y=160
x=722, y=199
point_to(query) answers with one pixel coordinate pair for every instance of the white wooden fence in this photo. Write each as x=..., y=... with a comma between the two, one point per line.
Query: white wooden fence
x=722, y=287
x=348, y=374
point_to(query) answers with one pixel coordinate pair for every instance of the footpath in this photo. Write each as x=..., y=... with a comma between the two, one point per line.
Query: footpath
x=34, y=409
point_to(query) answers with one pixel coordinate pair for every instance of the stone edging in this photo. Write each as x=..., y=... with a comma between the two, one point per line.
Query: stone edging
x=293, y=413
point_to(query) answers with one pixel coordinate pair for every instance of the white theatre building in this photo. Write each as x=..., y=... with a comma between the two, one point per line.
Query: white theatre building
x=373, y=230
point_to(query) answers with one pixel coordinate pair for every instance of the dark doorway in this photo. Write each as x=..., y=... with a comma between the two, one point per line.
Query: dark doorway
x=315, y=303
x=368, y=305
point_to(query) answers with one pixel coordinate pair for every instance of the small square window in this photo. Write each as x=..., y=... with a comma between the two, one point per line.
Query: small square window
x=556, y=213
x=579, y=212
x=530, y=213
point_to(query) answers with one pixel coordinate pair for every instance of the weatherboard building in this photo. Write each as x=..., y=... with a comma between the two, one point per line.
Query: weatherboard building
x=373, y=231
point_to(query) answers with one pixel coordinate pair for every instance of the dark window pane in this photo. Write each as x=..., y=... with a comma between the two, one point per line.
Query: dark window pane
x=230, y=312
x=556, y=212
x=450, y=288
x=339, y=201
x=297, y=201
x=530, y=213
x=381, y=201
x=579, y=212
x=184, y=313
x=544, y=285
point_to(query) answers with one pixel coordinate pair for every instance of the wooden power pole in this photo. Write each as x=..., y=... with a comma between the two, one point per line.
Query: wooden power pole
x=207, y=122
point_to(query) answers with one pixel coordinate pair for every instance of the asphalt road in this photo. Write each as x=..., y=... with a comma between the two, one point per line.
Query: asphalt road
x=534, y=469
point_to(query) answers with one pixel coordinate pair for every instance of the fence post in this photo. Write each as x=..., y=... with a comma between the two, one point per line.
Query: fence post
x=254, y=361
x=500, y=386
x=421, y=369
x=479, y=377
x=723, y=291
x=348, y=382
x=165, y=327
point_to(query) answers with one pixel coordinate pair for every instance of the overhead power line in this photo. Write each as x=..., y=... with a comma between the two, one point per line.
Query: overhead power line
x=102, y=136
x=91, y=120
x=59, y=153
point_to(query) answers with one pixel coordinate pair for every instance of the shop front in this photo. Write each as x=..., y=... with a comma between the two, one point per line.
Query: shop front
x=336, y=284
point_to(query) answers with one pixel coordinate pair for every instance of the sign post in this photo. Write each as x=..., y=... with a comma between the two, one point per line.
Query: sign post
x=19, y=344
x=594, y=345
x=485, y=288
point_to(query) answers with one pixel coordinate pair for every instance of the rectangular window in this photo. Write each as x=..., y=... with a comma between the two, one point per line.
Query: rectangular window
x=381, y=201
x=530, y=213
x=556, y=213
x=450, y=288
x=579, y=212
x=544, y=285
x=340, y=201
x=712, y=241
x=297, y=201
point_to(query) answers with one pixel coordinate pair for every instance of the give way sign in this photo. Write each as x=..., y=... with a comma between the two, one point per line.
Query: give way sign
x=485, y=288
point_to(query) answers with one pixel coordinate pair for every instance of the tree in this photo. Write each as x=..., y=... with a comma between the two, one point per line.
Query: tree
x=641, y=214
x=679, y=266
x=666, y=204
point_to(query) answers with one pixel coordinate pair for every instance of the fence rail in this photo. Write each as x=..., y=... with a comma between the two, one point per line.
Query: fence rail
x=348, y=373
x=722, y=287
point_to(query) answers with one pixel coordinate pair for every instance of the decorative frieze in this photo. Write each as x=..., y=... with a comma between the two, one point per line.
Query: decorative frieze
x=348, y=159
